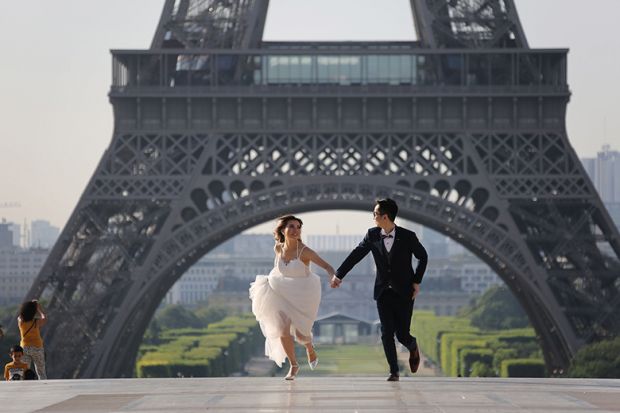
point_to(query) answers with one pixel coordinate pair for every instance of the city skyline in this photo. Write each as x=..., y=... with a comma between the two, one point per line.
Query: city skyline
x=69, y=121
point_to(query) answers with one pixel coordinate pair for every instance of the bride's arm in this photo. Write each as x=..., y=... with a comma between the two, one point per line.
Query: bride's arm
x=309, y=255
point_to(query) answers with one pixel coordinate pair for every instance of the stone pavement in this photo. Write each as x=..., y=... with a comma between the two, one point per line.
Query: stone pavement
x=312, y=394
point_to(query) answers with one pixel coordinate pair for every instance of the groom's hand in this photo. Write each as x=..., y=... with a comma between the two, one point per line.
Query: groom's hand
x=416, y=290
x=335, y=282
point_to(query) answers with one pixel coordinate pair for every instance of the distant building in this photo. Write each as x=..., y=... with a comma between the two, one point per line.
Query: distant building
x=614, y=212
x=443, y=302
x=589, y=164
x=341, y=328
x=365, y=268
x=475, y=277
x=436, y=244
x=608, y=175
x=353, y=297
x=450, y=283
x=17, y=234
x=235, y=263
x=43, y=234
x=254, y=245
x=18, y=270
x=10, y=234
x=240, y=258
x=340, y=243
x=6, y=235
x=203, y=278
x=604, y=171
x=235, y=301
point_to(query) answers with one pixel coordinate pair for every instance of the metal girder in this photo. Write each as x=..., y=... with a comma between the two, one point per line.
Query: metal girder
x=468, y=23
x=224, y=24
x=217, y=24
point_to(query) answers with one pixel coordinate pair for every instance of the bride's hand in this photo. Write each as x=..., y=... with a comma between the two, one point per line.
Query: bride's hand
x=335, y=281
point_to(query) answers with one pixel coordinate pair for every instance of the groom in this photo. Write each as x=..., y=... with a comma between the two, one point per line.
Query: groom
x=396, y=285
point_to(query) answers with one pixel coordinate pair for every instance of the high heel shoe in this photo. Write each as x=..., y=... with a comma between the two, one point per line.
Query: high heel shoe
x=315, y=362
x=292, y=373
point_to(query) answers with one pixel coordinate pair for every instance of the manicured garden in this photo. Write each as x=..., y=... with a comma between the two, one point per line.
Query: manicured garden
x=217, y=350
x=461, y=349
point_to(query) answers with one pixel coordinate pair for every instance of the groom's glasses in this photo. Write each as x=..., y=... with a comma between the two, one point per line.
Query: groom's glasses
x=376, y=214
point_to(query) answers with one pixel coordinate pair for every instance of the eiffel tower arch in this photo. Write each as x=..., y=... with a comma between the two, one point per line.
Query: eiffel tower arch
x=217, y=131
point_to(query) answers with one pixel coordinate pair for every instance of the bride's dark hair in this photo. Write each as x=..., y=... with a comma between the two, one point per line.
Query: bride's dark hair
x=278, y=232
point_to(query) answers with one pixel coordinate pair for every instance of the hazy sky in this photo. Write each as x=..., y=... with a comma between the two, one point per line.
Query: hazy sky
x=55, y=74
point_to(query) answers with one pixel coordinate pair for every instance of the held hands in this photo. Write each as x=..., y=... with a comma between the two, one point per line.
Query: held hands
x=416, y=290
x=335, y=281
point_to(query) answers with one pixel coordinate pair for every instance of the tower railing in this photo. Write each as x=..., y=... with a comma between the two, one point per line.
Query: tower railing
x=476, y=70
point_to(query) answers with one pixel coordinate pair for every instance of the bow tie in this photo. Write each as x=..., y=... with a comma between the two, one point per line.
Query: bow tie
x=386, y=236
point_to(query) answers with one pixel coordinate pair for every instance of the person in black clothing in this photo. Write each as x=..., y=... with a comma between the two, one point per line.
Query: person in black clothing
x=396, y=285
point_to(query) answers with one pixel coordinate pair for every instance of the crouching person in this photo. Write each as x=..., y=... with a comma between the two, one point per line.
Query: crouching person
x=16, y=369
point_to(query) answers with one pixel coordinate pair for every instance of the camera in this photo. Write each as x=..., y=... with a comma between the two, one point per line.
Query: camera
x=16, y=376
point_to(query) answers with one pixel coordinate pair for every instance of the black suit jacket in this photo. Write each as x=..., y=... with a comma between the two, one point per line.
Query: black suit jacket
x=394, y=269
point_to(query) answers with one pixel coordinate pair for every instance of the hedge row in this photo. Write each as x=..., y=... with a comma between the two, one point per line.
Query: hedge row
x=217, y=350
x=461, y=349
x=429, y=328
x=523, y=368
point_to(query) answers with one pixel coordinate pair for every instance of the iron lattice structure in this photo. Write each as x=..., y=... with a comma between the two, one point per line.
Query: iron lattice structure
x=217, y=131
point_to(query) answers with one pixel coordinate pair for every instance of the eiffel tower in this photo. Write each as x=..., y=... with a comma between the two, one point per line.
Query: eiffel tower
x=217, y=131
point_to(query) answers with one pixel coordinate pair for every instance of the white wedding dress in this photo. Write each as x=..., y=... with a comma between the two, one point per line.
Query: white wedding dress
x=289, y=295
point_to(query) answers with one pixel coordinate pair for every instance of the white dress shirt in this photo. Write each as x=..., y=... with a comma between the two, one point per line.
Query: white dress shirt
x=388, y=241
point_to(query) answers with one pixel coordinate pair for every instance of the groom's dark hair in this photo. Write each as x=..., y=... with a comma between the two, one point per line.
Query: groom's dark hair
x=388, y=206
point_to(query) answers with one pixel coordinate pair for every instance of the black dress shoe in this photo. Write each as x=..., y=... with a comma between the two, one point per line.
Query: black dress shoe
x=393, y=377
x=414, y=360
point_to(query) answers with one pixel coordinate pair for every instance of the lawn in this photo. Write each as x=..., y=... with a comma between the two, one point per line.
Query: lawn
x=347, y=359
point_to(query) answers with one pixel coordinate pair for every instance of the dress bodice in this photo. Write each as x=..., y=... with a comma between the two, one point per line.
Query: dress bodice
x=294, y=268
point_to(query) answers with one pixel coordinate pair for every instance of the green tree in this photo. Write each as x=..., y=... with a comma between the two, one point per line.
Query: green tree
x=597, y=360
x=151, y=336
x=498, y=309
x=177, y=316
x=208, y=315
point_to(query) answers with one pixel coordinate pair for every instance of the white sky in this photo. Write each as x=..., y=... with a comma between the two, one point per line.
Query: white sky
x=56, y=122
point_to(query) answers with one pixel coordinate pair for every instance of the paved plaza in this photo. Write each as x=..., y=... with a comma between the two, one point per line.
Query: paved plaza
x=312, y=394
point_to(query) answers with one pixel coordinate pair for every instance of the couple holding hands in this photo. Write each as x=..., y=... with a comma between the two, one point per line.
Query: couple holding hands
x=286, y=301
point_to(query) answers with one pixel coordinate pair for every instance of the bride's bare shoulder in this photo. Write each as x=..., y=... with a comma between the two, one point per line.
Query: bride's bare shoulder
x=305, y=249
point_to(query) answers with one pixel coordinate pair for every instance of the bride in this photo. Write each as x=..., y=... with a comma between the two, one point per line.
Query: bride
x=286, y=301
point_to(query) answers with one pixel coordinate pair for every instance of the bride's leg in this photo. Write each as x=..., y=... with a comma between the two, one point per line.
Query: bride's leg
x=310, y=352
x=289, y=348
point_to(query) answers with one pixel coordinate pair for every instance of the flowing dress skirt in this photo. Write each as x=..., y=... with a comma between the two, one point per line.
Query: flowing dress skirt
x=282, y=302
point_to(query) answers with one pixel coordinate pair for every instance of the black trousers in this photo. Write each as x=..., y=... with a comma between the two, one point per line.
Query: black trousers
x=395, y=315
